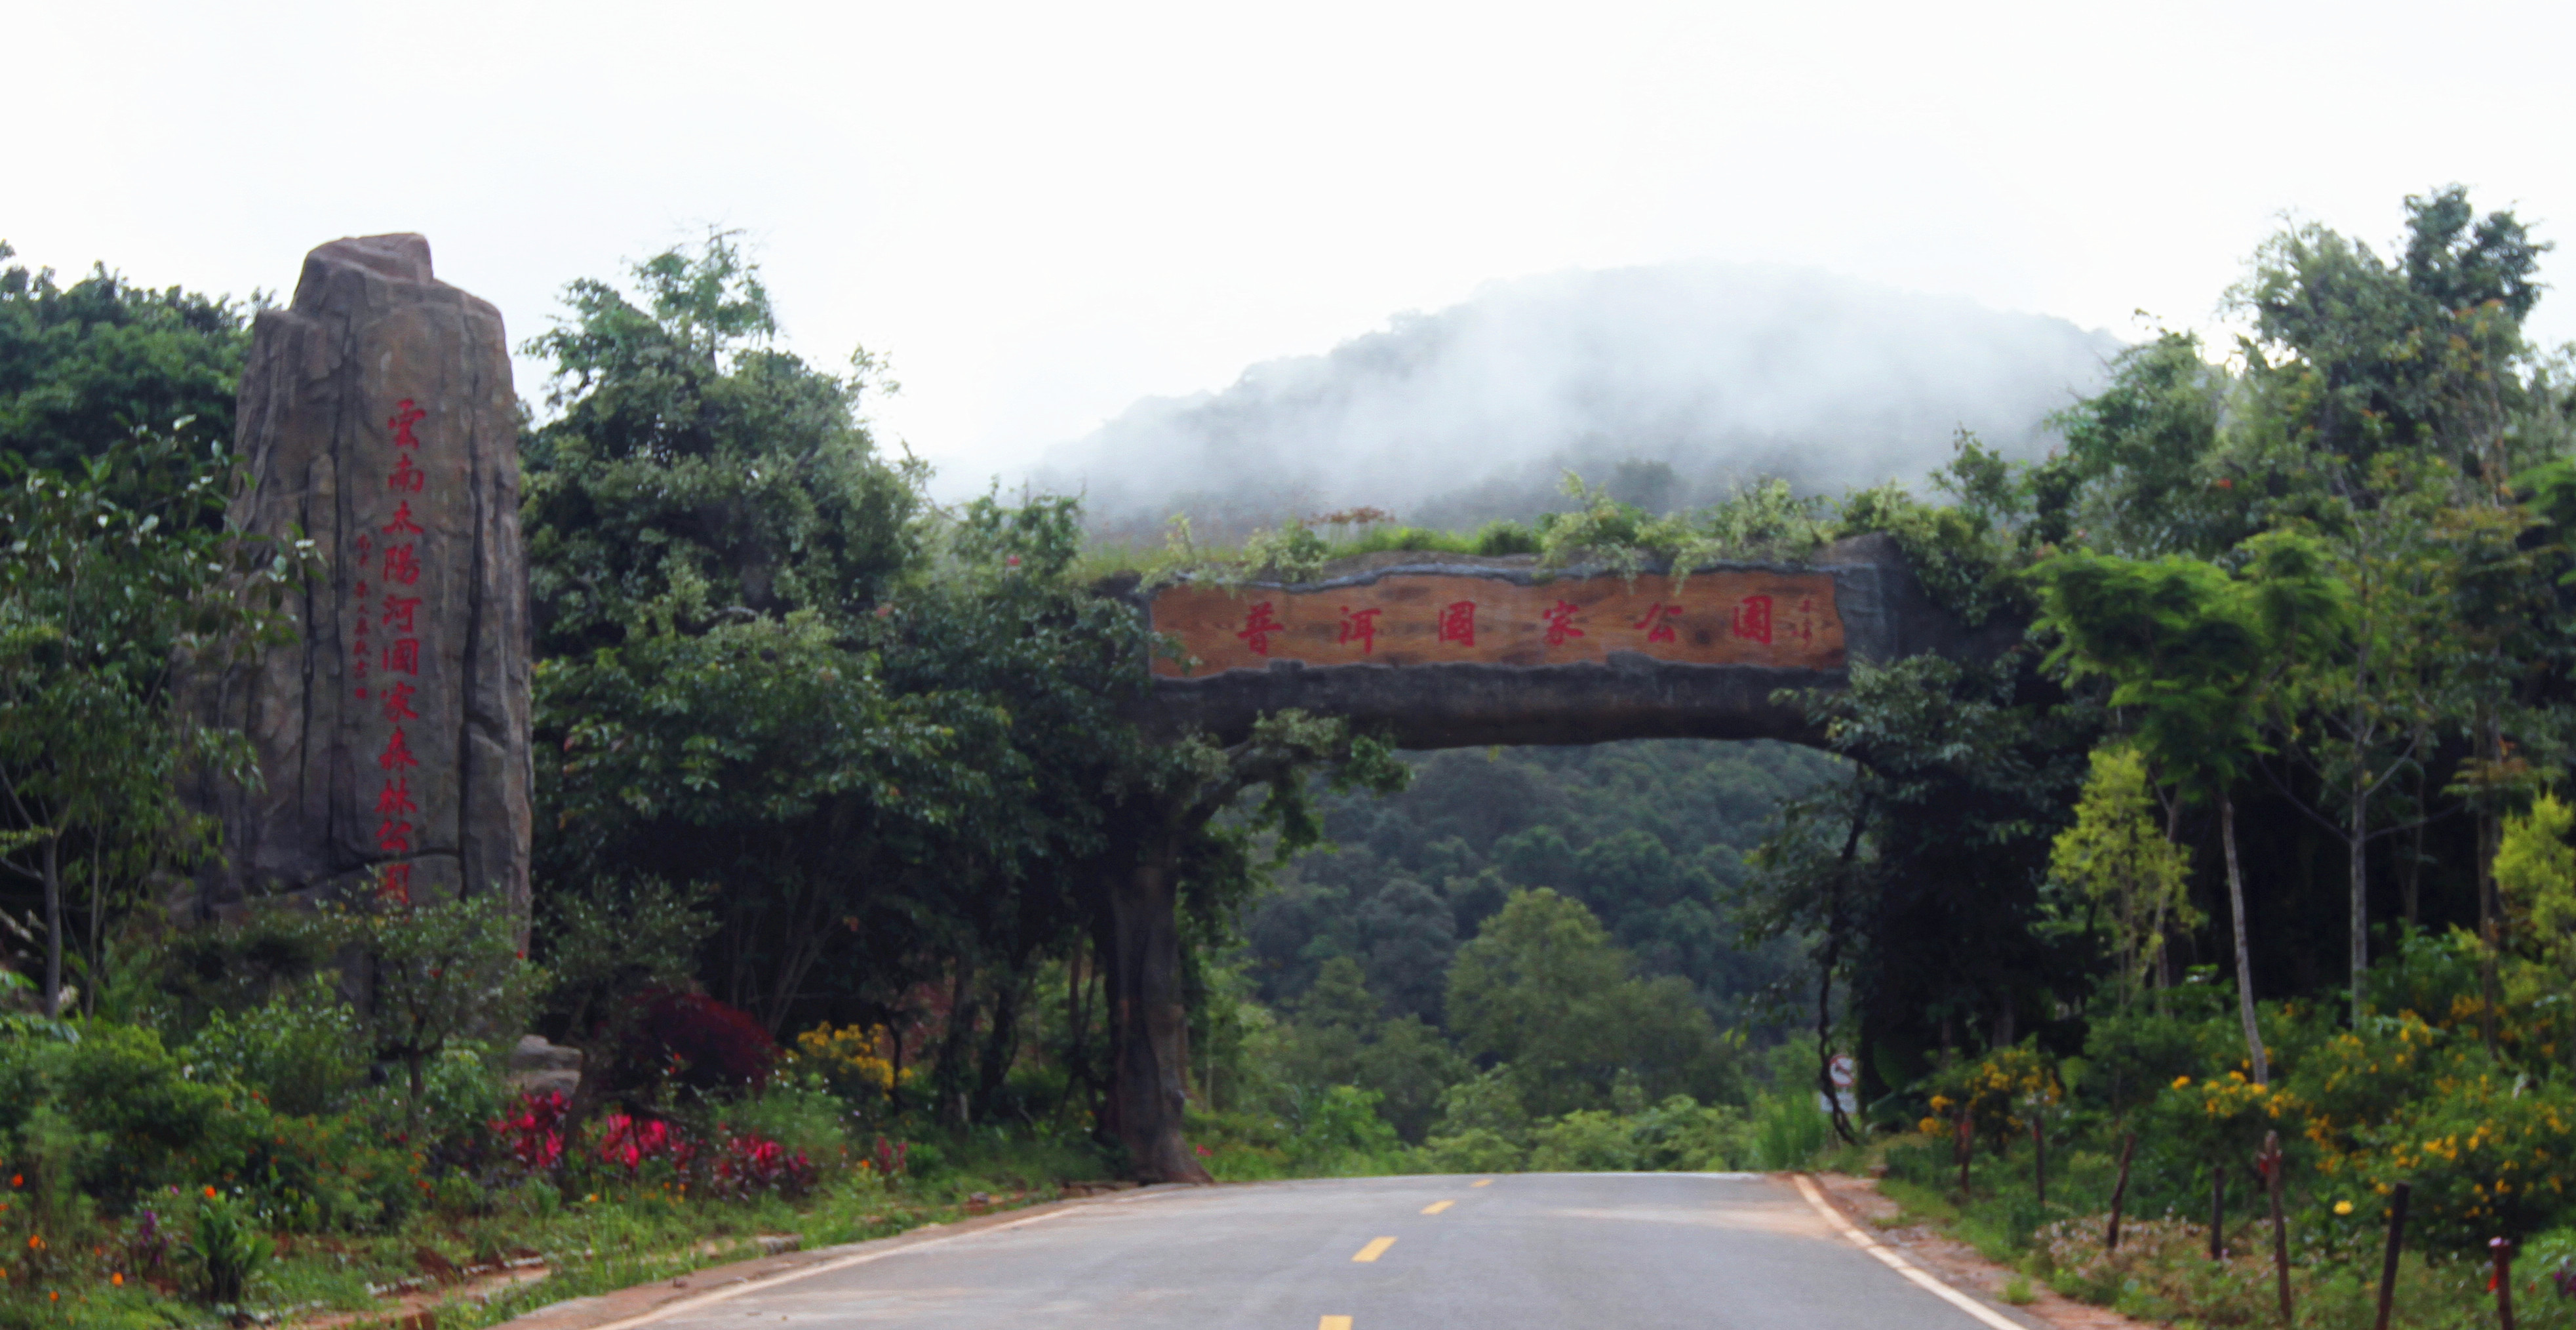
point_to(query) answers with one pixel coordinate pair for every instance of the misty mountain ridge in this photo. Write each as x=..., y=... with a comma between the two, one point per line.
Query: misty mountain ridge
x=1722, y=372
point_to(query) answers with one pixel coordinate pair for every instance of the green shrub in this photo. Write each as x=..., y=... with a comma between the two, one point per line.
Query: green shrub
x=1584, y=1141
x=116, y=1113
x=1473, y=1150
x=1681, y=1133
x=301, y=1049
x=795, y=1111
x=1789, y=1130
x=1341, y=1129
x=228, y=1246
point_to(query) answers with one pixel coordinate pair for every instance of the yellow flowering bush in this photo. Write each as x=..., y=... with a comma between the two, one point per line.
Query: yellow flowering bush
x=2488, y=1151
x=856, y=1061
x=1999, y=1092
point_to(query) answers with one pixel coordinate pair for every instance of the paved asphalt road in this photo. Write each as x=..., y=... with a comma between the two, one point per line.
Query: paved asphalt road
x=1521, y=1252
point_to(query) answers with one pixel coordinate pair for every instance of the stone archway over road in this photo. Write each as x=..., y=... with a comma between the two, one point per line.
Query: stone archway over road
x=1445, y=651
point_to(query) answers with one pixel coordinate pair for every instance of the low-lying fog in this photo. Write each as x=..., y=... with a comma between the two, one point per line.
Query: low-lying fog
x=1722, y=372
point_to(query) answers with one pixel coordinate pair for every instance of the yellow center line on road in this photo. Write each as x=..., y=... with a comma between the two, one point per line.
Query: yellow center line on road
x=1334, y=1323
x=1437, y=1206
x=1376, y=1248
x=1482, y=1182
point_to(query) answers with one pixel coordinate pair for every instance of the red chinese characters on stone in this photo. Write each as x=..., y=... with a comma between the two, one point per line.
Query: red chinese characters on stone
x=1560, y=622
x=404, y=417
x=1458, y=623
x=1259, y=626
x=395, y=797
x=395, y=807
x=1753, y=619
x=1658, y=623
x=1360, y=626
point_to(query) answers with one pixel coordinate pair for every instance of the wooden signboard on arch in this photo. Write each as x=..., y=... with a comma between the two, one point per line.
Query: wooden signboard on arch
x=1735, y=616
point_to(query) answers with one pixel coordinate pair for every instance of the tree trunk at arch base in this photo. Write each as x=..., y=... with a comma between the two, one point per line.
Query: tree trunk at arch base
x=1148, y=1029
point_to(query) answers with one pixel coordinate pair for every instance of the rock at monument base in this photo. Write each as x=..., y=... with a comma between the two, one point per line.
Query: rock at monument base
x=538, y=1067
x=377, y=417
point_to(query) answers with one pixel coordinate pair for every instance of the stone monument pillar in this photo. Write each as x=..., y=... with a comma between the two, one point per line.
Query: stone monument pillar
x=378, y=418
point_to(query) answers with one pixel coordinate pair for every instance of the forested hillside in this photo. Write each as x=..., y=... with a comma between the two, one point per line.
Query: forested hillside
x=1650, y=836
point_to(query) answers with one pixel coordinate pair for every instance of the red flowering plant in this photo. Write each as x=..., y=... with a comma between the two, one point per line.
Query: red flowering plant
x=749, y=1165
x=632, y=1143
x=534, y=1130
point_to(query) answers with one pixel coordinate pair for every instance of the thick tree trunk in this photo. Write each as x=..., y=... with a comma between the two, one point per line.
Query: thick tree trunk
x=955, y=1044
x=2244, y=948
x=53, y=928
x=1001, y=1043
x=2360, y=924
x=1148, y=1047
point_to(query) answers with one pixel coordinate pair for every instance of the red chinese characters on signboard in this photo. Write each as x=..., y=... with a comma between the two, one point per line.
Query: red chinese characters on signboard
x=1799, y=625
x=1658, y=622
x=1458, y=623
x=1360, y=626
x=1753, y=619
x=1259, y=625
x=1560, y=622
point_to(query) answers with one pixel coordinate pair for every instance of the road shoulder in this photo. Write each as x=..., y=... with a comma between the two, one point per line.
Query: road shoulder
x=646, y=1302
x=1956, y=1263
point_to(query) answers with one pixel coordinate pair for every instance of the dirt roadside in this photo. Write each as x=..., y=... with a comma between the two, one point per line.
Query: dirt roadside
x=420, y=1310
x=1956, y=1263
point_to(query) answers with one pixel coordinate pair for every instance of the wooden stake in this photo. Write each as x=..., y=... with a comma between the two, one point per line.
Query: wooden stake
x=2218, y=1212
x=2396, y=1242
x=2270, y=1163
x=2503, y=1281
x=2038, y=1159
x=1967, y=1148
x=2120, y=1189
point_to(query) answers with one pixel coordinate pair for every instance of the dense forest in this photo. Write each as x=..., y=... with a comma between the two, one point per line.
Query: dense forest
x=847, y=851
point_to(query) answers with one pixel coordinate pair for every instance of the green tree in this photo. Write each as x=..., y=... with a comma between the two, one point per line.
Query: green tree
x=2189, y=653
x=2143, y=474
x=437, y=973
x=1542, y=990
x=2127, y=866
x=696, y=475
x=102, y=599
x=83, y=366
x=2535, y=871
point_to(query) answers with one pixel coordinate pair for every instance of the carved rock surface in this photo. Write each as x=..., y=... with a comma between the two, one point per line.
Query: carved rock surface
x=377, y=416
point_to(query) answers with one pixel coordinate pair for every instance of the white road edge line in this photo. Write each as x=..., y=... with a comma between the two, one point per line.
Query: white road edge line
x=731, y=1291
x=1899, y=1264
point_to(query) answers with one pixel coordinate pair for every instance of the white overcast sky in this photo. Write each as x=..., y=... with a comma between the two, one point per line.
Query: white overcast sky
x=1043, y=212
